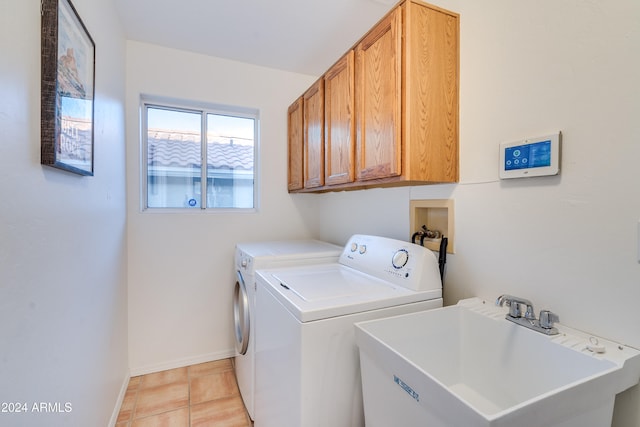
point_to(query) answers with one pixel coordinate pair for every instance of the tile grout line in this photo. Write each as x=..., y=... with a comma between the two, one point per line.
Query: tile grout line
x=189, y=394
x=135, y=402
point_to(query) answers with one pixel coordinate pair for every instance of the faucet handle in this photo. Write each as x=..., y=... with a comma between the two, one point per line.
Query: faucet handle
x=514, y=309
x=514, y=306
x=547, y=319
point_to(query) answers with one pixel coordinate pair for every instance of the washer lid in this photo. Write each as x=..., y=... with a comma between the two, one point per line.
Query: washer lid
x=329, y=290
x=331, y=284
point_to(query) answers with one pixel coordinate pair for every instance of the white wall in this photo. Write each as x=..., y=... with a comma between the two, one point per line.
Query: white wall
x=527, y=68
x=181, y=272
x=63, y=301
x=568, y=243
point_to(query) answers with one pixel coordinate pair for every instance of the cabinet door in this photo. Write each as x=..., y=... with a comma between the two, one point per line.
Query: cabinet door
x=313, y=111
x=339, y=131
x=431, y=95
x=295, y=144
x=379, y=100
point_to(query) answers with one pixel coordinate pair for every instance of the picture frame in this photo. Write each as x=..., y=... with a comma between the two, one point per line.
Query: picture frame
x=67, y=89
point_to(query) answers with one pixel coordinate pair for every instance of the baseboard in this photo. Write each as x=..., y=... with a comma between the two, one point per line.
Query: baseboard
x=116, y=410
x=179, y=363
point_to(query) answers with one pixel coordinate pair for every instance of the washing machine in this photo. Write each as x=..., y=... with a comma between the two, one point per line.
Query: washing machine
x=249, y=257
x=307, y=363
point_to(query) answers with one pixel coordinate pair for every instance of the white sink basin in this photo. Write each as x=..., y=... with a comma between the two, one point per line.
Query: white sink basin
x=467, y=366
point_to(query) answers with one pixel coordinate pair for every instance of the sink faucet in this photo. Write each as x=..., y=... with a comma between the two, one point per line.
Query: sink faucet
x=544, y=325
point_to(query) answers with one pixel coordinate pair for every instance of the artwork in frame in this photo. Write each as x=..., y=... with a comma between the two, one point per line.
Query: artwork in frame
x=67, y=91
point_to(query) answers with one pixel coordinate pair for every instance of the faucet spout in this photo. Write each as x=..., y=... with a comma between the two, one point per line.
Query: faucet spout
x=502, y=299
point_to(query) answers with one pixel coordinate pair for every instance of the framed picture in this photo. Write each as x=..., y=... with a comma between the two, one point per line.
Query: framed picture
x=67, y=92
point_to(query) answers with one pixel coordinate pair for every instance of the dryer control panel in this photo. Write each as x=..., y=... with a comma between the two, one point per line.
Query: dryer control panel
x=401, y=263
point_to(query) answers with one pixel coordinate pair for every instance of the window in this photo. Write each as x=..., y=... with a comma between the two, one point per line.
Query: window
x=176, y=141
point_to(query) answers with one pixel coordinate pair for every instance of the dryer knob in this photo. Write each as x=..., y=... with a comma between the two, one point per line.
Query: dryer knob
x=363, y=249
x=243, y=263
x=354, y=247
x=400, y=258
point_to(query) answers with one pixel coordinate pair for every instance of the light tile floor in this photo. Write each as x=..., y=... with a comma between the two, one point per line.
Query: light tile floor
x=203, y=395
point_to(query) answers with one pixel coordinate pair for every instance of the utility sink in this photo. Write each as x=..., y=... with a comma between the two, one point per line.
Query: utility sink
x=467, y=366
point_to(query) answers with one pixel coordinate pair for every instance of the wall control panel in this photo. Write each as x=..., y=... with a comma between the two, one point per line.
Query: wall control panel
x=530, y=157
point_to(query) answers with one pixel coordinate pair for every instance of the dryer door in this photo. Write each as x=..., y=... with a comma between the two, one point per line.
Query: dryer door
x=241, y=315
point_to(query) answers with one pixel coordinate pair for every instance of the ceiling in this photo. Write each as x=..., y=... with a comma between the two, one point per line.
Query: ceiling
x=302, y=36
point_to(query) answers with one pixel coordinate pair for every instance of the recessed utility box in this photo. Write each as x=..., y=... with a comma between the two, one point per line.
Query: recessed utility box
x=436, y=214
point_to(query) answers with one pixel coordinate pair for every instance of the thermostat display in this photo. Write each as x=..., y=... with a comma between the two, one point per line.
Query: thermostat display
x=530, y=157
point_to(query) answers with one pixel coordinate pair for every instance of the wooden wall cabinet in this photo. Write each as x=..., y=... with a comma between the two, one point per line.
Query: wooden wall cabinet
x=295, y=145
x=379, y=100
x=339, y=141
x=430, y=94
x=313, y=134
x=402, y=108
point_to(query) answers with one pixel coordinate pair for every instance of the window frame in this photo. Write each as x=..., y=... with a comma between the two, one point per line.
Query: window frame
x=203, y=108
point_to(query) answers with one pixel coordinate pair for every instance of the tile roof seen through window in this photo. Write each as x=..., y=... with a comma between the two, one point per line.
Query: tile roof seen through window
x=182, y=149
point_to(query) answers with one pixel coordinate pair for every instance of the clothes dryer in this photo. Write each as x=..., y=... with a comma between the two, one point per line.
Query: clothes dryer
x=250, y=256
